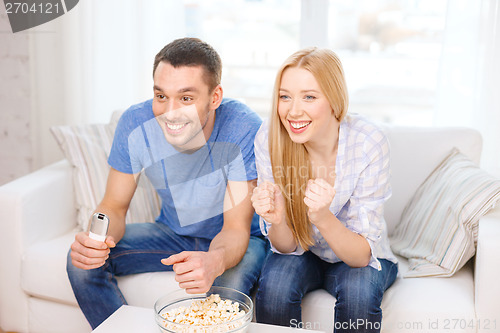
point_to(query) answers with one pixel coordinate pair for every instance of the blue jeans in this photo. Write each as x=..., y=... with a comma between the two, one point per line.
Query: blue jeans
x=140, y=251
x=285, y=279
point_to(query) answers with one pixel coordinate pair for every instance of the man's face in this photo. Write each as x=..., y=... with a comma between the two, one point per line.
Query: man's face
x=183, y=105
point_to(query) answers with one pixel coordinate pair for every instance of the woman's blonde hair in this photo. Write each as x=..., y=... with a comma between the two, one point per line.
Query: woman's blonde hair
x=289, y=160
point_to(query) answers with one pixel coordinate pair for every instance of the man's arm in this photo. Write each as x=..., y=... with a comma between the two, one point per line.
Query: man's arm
x=196, y=271
x=87, y=253
x=119, y=192
x=232, y=241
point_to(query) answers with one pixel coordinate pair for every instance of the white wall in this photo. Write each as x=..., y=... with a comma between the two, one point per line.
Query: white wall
x=46, y=81
x=45, y=78
x=16, y=157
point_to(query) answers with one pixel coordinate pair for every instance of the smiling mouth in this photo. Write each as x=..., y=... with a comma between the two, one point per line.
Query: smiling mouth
x=175, y=127
x=299, y=124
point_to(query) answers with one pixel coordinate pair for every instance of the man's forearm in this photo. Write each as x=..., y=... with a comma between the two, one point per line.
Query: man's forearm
x=116, y=227
x=230, y=246
x=231, y=243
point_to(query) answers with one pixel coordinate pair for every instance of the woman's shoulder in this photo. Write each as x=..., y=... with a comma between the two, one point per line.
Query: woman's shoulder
x=262, y=136
x=364, y=129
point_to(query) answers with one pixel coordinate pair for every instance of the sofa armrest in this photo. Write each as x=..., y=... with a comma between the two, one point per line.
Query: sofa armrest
x=487, y=272
x=37, y=207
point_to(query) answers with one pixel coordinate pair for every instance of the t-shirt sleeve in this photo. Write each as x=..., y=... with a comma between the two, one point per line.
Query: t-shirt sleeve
x=127, y=139
x=242, y=168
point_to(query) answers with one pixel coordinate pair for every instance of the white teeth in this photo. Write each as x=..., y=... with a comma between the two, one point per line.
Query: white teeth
x=300, y=125
x=175, y=127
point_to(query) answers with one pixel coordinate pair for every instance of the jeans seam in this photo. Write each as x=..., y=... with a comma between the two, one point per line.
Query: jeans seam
x=128, y=252
x=109, y=277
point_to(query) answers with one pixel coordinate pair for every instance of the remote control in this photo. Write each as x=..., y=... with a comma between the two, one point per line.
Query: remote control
x=99, y=227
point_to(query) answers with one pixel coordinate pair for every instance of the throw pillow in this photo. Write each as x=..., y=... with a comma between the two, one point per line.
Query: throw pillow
x=87, y=148
x=438, y=228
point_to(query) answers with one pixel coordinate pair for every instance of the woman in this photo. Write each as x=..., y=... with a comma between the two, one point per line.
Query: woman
x=323, y=180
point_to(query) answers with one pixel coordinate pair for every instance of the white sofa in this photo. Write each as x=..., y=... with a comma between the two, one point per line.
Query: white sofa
x=38, y=221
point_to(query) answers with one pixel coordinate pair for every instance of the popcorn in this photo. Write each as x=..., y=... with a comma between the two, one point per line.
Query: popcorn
x=206, y=312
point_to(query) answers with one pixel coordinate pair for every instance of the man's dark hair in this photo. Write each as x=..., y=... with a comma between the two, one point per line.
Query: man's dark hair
x=192, y=52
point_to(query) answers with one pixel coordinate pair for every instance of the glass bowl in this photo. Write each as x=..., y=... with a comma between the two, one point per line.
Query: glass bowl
x=180, y=298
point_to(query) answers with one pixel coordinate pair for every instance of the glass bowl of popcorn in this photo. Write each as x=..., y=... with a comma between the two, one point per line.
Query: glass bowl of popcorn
x=219, y=310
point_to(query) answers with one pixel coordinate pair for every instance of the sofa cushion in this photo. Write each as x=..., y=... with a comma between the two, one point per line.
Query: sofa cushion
x=43, y=270
x=438, y=228
x=87, y=148
x=409, y=305
x=415, y=305
x=54, y=317
x=412, y=160
x=43, y=274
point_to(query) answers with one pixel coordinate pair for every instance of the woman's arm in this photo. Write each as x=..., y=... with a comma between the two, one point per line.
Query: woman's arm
x=269, y=203
x=354, y=238
x=350, y=247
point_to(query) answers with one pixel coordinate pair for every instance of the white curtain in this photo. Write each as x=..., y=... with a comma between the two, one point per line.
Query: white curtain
x=469, y=82
x=93, y=60
x=98, y=58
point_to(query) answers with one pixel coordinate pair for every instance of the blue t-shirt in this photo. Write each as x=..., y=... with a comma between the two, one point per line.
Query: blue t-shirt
x=191, y=185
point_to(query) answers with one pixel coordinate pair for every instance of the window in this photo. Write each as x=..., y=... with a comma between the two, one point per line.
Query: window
x=391, y=55
x=253, y=38
x=390, y=49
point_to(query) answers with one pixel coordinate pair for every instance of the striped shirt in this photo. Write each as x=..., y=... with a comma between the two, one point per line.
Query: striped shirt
x=362, y=186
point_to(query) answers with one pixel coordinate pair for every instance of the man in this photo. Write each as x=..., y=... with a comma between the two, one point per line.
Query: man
x=197, y=150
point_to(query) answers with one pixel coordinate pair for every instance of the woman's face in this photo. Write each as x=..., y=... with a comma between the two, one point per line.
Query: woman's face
x=303, y=108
